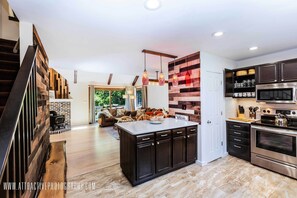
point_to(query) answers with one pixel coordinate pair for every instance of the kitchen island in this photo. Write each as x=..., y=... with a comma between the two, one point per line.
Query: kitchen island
x=151, y=150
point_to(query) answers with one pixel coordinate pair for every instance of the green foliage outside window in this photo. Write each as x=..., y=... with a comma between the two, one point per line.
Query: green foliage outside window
x=102, y=98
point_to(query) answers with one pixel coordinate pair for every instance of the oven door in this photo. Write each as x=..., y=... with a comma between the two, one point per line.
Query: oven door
x=273, y=142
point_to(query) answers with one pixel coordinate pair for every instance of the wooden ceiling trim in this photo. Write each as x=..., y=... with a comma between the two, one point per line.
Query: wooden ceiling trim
x=109, y=79
x=135, y=80
x=158, y=53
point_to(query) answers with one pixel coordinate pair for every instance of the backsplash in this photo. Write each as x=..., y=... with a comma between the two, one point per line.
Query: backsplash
x=246, y=103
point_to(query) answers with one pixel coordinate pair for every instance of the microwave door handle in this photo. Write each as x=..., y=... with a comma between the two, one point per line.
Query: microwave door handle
x=273, y=130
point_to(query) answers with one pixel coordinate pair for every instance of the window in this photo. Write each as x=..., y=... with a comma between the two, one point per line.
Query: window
x=102, y=98
x=117, y=98
x=138, y=97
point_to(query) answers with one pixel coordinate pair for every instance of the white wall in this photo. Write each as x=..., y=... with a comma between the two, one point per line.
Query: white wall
x=26, y=38
x=8, y=29
x=270, y=58
x=79, y=93
x=213, y=63
x=157, y=96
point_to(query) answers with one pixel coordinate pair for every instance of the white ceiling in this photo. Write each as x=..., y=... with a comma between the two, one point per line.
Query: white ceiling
x=107, y=36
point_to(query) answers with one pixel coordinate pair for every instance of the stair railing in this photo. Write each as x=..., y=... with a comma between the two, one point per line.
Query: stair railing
x=17, y=126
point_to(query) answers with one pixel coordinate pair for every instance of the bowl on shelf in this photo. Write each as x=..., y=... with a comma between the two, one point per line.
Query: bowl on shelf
x=251, y=71
x=241, y=73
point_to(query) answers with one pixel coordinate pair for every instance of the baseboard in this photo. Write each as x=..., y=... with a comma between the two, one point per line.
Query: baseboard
x=201, y=163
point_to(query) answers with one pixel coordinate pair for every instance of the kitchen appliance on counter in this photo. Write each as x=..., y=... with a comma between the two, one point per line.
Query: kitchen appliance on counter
x=277, y=93
x=273, y=145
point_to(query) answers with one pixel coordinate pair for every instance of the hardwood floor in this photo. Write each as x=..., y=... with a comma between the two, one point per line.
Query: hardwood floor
x=88, y=148
x=94, y=152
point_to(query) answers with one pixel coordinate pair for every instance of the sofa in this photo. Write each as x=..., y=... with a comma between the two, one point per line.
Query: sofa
x=108, y=117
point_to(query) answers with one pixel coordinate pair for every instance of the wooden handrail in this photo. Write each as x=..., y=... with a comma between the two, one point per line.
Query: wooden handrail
x=13, y=107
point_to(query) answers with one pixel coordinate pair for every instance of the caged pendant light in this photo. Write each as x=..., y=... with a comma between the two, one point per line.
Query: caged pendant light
x=174, y=78
x=145, y=78
x=161, y=76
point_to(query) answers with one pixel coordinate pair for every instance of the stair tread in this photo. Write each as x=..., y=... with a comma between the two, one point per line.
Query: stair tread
x=7, y=42
x=9, y=53
x=4, y=93
x=8, y=70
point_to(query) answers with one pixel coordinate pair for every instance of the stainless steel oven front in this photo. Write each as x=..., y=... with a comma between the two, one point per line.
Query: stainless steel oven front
x=274, y=148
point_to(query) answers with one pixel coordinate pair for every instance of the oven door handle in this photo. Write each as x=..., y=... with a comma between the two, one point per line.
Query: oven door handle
x=275, y=130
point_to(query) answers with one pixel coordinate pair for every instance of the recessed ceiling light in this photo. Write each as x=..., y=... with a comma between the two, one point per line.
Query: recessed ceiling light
x=152, y=4
x=218, y=34
x=253, y=48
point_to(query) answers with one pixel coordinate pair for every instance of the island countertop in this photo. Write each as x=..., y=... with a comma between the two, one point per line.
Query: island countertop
x=144, y=126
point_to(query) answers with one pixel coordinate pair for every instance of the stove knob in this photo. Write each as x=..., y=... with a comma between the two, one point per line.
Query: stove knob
x=264, y=111
x=268, y=111
x=294, y=112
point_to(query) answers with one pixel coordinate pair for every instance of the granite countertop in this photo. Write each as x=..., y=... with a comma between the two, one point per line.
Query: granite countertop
x=142, y=127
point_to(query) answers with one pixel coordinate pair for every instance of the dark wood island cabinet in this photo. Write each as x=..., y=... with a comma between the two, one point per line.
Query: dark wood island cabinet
x=148, y=151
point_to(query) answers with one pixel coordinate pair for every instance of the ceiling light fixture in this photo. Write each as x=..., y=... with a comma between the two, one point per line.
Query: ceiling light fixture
x=253, y=48
x=218, y=34
x=145, y=78
x=152, y=4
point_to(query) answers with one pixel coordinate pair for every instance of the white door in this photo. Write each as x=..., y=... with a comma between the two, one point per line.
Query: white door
x=214, y=117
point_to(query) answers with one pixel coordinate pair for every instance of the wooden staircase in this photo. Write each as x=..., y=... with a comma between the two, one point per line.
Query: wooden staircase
x=9, y=67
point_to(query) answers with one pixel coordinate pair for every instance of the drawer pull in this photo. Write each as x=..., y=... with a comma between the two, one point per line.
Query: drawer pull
x=188, y=136
x=153, y=144
x=236, y=126
x=193, y=130
x=237, y=146
x=185, y=137
x=179, y=132
x=237, y=133
x=238, y=140
x=164, y=135
x=144, y=139
x=158, y=142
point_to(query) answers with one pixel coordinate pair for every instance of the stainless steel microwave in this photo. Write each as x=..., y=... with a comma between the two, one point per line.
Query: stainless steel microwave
x=277, y=93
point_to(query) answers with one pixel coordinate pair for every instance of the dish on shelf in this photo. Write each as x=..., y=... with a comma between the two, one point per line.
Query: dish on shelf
x=241, y=73
x=252, y=71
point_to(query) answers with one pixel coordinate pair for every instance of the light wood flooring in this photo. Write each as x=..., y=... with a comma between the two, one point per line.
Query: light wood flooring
x=226, y=177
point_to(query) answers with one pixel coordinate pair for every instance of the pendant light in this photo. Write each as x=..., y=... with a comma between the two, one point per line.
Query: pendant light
x=161, y=76
x=145, y=78
x=174, y=78
x=188, y=76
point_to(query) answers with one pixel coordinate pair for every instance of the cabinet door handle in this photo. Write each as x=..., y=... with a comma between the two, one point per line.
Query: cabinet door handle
x=185, y=137
x=153, y=144
x=158, y=142
x=164, y=135
x=188, y=136
x=193, y=130
x=179, y=132
x=143, y=139
x=237, y=146
x=237, y=133
x=238, y=140
x=236, y=126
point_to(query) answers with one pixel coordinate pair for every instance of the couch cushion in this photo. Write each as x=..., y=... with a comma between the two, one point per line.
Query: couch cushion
x=120, y=112
x=113, y=112
x=133, y=113
x=107, y=113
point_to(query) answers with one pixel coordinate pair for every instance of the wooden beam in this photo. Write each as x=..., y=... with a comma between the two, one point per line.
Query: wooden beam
x=158, y=53
x=135, y=80
x=109, y=79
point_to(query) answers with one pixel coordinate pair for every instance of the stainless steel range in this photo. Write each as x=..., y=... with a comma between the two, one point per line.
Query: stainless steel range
x=273, y=143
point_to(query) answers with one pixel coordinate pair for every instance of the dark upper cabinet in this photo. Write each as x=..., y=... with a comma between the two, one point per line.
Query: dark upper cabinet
x=228, y=83
x=145, y=160
x=288, y=70
x=268, y=73
x=191, y=147
x=163, y=155
x=179, y=150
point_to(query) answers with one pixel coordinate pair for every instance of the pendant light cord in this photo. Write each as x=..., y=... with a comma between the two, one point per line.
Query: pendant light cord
x=144, y=61
x=161, y=64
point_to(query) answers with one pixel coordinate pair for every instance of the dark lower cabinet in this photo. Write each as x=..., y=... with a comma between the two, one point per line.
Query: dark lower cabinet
x=191, y=147
x=179, y=150
x=163, y=155
x=145, y=160
x=238, y=140
x=146, y=156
